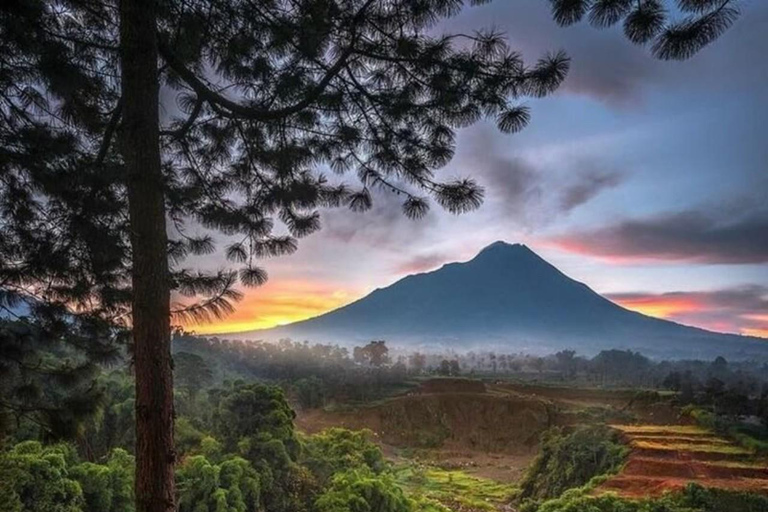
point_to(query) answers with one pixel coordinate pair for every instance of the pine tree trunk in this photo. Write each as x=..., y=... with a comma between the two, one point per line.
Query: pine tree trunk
x=151, y=293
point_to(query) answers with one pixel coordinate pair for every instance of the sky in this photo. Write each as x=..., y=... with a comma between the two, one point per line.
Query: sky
x=646, y=180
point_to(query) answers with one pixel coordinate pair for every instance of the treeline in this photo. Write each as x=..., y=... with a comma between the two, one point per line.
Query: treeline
x=318, y=375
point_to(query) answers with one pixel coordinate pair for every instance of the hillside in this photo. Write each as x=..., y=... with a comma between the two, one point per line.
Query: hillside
x=508, y=297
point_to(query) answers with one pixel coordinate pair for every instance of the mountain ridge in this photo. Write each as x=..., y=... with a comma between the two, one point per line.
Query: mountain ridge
x=506, y=297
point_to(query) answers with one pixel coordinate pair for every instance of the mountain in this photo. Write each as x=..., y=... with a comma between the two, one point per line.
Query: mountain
x=509, y=298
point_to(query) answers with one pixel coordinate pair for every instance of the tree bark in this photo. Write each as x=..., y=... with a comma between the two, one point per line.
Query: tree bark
x=151, y=291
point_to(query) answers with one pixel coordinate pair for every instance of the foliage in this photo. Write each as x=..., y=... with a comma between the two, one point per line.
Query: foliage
x=48, y=370
x=363, y=491
x=569, y=460
x=453, y=488
x=692, y=499
x=256, y=420
x=34, y=478
x=191, y=373
x=113, y=425
x=648, y=21
x=107, y=487
x=374, y=353
x=232, y=486
x=338, y=449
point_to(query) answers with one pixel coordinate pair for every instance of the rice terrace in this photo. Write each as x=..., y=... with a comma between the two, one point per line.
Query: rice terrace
x=669, y=457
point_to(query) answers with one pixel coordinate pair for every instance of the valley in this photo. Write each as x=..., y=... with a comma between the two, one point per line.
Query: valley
x=468, y=443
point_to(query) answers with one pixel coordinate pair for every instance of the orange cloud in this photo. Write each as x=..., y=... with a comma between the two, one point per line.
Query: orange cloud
x=279, y=302
x=659, y=305
x=738, y=310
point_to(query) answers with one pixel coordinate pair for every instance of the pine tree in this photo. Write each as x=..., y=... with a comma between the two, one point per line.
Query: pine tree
x=264, y=95
x=650, y=22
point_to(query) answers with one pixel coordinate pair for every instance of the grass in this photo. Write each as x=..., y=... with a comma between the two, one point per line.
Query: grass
x=681, y=439
x=736, y=464
x=688, y=447
x=683, y=430
x=451, y=487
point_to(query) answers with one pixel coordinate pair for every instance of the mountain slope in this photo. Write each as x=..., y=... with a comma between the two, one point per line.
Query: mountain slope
x=507, y=297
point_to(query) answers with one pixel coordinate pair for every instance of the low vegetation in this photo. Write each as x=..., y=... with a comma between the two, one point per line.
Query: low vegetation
x=453, y=488
x=569, y=460
x=693, y=498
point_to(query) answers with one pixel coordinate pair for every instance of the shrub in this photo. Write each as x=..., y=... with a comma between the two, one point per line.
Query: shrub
x=569, y=460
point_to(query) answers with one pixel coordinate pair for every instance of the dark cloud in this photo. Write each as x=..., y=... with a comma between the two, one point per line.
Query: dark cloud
x=697, y=236
x=589, y=186
x=384, y=225
x=740, y=309
x=532, y=193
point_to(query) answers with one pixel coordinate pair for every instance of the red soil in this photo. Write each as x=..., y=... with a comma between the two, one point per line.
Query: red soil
x=651, y=472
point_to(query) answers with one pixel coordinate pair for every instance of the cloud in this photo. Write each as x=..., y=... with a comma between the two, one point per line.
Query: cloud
x=741, y=309
x=589, y=186
x=383, y=225
x=712, y=237
x=422, y=263
x=532, y=191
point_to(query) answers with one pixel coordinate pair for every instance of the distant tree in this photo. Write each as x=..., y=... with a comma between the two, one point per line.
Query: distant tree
x=566, y=362
x=374, y=353
x=455, y=368
x=621, y=365
x=417, y=362
x=310, y=392
x=444, y=368
x=192, y=373
x=673, y=381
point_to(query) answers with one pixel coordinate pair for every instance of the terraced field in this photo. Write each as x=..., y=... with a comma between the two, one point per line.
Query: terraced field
x=665, y=458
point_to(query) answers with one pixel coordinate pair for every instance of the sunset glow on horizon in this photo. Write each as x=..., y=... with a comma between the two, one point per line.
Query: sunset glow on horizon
x=278, y=303
x=660, y=307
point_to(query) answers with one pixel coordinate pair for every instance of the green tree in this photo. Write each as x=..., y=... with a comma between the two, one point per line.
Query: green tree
x=337, y=449
x=191, y=373
x=569, y=460
x=34, y=478
x=107, y=487
x=232, y=486
x=48, y=373
x=255, y=421
x=363, y=491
